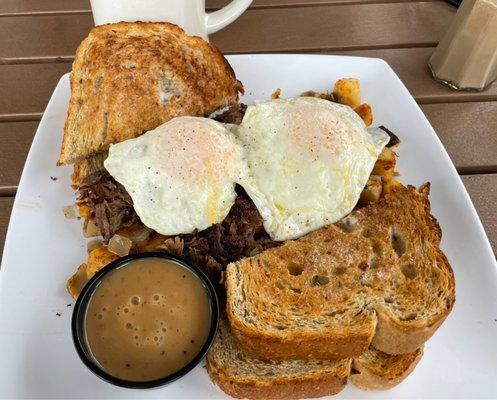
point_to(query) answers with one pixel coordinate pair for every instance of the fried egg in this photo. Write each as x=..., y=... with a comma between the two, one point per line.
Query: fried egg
x=181, y=176
x=308, y=160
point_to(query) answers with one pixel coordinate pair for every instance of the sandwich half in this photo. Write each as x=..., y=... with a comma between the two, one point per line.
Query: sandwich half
x=130, y=77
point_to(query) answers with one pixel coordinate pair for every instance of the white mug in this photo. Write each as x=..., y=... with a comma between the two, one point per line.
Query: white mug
x=188, y=14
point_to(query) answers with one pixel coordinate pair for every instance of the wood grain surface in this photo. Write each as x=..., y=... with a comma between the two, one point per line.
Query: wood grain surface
x=483, y=192
x=36, y=7
x=336, y=27
x=411, y=65
x=15, y=141
x=13, y=7
x=26, y=88
x=5, y=208
x=38, y=39
x=468, y=132
x=330, y=27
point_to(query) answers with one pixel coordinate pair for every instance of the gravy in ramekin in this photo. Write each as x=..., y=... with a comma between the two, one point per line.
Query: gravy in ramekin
x=147, y=319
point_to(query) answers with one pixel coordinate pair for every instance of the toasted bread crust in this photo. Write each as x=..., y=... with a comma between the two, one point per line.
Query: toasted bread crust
x=394, y=338
x=367, y=376
x=128, y=78
x=297, y=388
x=398, y=337
x=242, y=376
x=278, y=313
x=329, y=345
x=88, y=170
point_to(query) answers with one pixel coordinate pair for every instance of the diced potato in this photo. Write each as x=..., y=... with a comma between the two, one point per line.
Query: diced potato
x=76, y=282
x=69, y=212
x=93, y=244
x=365, y=112
x=385, y=164
x=371, y=193
x=152, y=243
x=91, y=230
x=83, y=210
x=119, y=245
x=389, y=185
x=97, y=259
x=348, y=91
x=136, y=232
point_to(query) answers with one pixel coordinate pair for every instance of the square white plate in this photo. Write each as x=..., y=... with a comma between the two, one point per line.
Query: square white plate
x=42, y=250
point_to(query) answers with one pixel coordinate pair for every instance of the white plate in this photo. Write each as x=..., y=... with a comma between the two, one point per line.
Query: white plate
x=42, y=250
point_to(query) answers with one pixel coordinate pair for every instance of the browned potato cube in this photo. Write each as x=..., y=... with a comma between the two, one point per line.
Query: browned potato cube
x=276, y=94
x=371, y=193
x=365, y=112
x=76, y=282
x=348, y=91
x=385, y=164
x=389, y=185
x=97, y=259
x=83, y=210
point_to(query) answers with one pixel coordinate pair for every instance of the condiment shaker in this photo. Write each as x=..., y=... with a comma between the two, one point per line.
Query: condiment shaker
x=466, y=57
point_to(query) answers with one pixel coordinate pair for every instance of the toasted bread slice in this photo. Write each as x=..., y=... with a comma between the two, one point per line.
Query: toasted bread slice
x=375, y=370
x=128, y=78
x=242, y=376
x=377, y=277
x=88, y=170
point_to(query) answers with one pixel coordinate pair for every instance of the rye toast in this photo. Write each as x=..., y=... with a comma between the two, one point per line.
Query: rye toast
x=242, y=376
x=377, y=277
x=128, y=78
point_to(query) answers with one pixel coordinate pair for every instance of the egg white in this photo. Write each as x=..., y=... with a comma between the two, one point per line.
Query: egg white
x=181, y=176
x=308, y=160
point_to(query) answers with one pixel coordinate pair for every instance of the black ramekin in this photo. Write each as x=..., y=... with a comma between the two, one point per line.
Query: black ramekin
x=79, y=312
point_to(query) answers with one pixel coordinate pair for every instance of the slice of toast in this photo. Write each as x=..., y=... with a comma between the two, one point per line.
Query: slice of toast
x=88, y=170
x=377, y=277
x=128, y=78
x=242, y=376
x=375, y=370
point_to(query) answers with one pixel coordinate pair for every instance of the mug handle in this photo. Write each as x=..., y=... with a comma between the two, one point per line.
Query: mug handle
x=217, y=20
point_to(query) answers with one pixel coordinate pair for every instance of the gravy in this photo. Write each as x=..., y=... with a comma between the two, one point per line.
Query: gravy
x=147, y=319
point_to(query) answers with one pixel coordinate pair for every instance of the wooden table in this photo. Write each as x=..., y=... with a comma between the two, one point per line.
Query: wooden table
x=38, y=39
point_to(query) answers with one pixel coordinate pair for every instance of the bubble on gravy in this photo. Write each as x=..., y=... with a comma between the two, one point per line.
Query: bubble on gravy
x=147, y=319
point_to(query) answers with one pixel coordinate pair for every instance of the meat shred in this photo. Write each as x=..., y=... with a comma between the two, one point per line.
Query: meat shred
x=232, y=115
x=110, y=205
x=241, y=234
